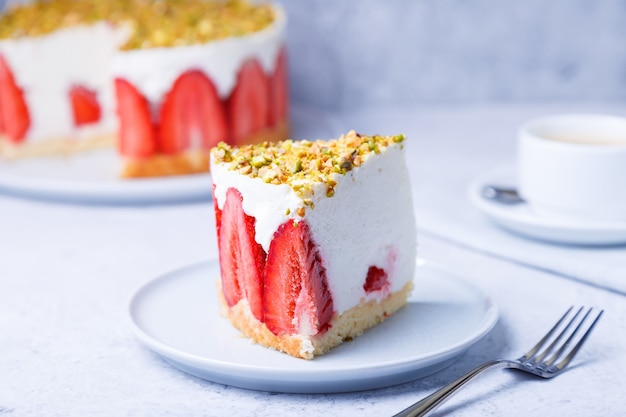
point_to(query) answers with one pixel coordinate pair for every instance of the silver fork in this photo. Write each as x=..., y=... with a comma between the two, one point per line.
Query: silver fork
x=558, y=341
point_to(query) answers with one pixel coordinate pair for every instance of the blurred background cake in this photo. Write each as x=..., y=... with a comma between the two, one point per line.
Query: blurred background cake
x=162, y=80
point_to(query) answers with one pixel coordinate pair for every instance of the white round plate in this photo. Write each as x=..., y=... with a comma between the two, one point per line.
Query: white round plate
x=521, y=219
x=177, y=316
x=92, y=177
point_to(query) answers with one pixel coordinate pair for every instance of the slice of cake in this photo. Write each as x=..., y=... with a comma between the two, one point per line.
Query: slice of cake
x=317, y=239
x=162, y=80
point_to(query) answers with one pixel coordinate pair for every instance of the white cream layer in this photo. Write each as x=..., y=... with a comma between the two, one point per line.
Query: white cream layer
x=46, y=67
x=153, y=71
x=369, y=221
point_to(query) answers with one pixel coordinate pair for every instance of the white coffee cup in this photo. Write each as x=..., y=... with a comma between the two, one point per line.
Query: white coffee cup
x=574, y=166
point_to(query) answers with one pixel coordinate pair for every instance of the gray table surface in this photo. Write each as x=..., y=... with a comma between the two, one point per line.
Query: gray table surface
x=67, y=273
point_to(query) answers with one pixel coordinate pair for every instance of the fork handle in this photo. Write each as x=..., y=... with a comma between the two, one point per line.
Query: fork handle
x=434, y=400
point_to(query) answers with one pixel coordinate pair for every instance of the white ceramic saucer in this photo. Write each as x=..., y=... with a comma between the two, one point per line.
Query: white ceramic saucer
x=520, y=218
x=177, y=316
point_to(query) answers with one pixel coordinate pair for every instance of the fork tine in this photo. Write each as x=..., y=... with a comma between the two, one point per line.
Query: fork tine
x=569, y=340
x=582, y=340
x=557, y=339
x=532, y=352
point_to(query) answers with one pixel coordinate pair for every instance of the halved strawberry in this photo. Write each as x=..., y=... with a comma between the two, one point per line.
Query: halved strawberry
x=241, y=258
x=279, y=103
x=218, y=214
x=85, y=106
x=249, y=103
x=136, y=132
x=296, y=297
x=375, y=280
x=192, y=115
x=14, y=116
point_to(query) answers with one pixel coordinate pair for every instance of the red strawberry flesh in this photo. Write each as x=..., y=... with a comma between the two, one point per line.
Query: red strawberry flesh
x=296, y=296
x=14, y=115
x=249, y=103
x=375, y=280
x=85, y=106
x=136, y=131
x=218, y=214
x=279, y=90
x=241, y=257
x=192, y=115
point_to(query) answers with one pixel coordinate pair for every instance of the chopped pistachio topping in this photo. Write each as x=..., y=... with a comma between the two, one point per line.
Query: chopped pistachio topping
x=154, y=23
x=302, y=164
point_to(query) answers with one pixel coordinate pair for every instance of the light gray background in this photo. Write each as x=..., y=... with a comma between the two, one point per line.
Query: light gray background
x=352, y=53
x=347, y=53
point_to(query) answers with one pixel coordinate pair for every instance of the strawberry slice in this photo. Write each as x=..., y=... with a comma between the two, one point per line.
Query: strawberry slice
x=192, y=115
x=375, y=280
x=218, y=214
x=279, y=85
x=296, y=296
x=241, y=258
x=85, y=106
x=14, y=116
x=136, y=132
x=249, y=103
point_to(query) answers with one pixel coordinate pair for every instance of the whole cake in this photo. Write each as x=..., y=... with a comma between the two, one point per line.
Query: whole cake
x=317, y=239
x=164, y=80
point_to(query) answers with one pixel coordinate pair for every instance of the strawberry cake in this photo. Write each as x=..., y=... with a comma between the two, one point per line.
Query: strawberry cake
x=161, y=80
x=317, y=239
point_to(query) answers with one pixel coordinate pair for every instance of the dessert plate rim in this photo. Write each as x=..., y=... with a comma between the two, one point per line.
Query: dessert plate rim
x=176, y=315
x=520, y=219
